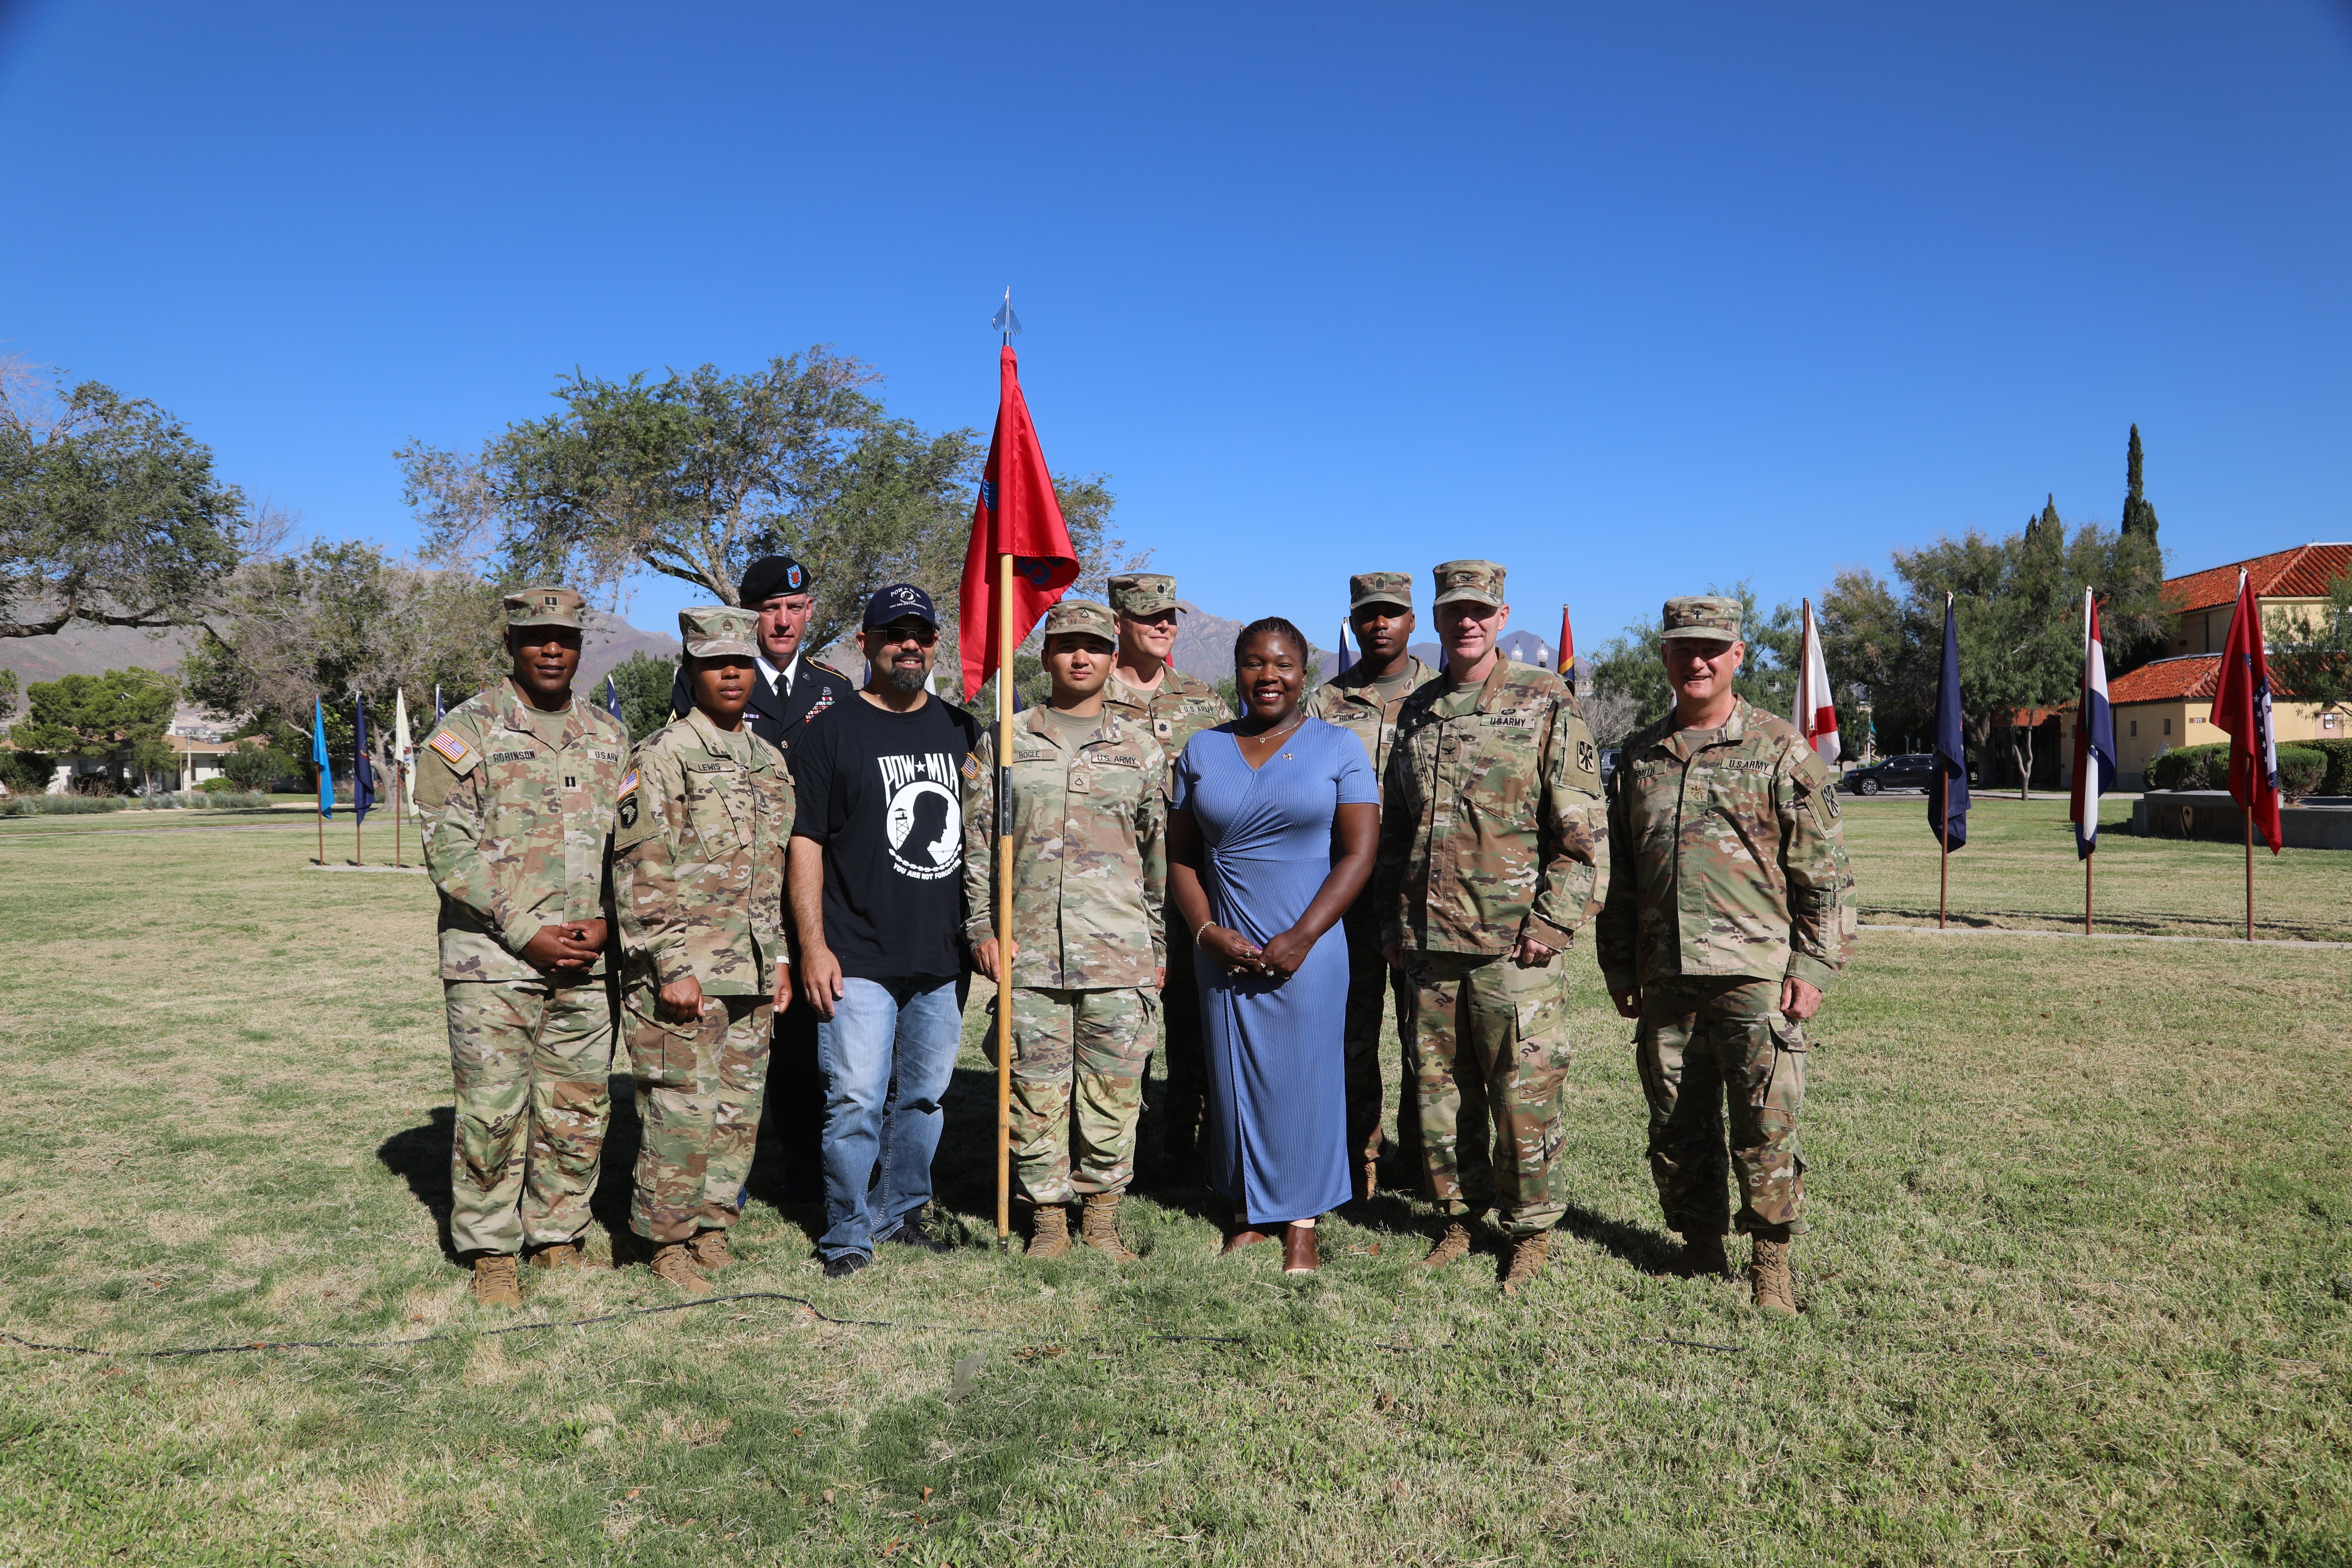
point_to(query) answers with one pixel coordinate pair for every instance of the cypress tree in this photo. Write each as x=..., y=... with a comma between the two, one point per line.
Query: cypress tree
x=2138, y=516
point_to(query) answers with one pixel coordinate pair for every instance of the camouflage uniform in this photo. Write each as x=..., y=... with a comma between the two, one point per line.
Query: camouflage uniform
x=515, y=805
x=1491, y=829
x=1349, y=700
x=1090, y=874
x=1179, y=709
x=704, y=826
x=1731, y=875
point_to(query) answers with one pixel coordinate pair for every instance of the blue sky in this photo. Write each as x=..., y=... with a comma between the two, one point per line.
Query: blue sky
x=1632, y=300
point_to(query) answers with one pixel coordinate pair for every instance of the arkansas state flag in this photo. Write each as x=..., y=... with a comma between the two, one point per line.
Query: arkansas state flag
x=1016, y=515
x=1814, y=717
x=2095, y=736
x=2242, y=705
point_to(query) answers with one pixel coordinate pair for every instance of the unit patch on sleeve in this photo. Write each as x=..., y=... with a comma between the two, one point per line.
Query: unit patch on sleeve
x=636, y=820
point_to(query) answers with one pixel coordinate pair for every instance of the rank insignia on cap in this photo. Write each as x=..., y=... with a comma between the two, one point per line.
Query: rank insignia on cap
x=459, y=755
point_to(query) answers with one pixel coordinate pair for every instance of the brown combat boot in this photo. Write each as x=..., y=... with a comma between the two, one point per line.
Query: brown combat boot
x=708, y=1250
x=1703, y=1258
x=1097, y=1229
x=1452, y=1248
x=674, y=1261
x=496, y=1283
x=1049, y=1231
x=560, y=1255
x=1768, y=1274
x=1528, y=1256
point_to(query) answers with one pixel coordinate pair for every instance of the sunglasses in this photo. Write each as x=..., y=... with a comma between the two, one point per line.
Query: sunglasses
x=891, y=637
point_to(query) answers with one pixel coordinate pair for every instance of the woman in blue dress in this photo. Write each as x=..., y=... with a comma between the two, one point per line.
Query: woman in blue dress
x=1272, y=826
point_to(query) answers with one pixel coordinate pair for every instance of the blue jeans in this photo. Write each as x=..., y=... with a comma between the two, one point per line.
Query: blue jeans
x=887, y=1054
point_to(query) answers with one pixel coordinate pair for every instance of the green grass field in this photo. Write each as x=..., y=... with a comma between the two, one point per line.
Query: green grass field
x=2079, y=1289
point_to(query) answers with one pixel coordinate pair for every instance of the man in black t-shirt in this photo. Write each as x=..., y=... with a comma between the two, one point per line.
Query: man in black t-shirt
x=877, y=898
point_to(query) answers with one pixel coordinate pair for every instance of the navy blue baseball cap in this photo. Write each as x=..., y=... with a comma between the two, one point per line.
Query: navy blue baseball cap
x=895, y=601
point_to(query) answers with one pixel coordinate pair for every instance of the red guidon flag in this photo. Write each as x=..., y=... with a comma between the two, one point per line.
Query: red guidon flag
x=1016, y=515
x=1813, y=716
x=2241, y=706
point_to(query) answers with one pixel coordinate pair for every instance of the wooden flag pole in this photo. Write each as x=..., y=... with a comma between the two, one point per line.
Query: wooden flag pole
x=2087, y=861
x=2250, y=874
x=322, y=838
x=1943, y=860
x=1004, y=783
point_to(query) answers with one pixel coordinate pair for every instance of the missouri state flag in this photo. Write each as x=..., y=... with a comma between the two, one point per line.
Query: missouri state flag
x=2095, y=736
x=1017, y=514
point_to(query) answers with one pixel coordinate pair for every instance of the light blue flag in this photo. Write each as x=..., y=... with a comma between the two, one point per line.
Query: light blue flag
x=318, y=755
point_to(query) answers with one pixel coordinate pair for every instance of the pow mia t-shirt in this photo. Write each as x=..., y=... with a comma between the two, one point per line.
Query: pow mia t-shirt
x=882, y=792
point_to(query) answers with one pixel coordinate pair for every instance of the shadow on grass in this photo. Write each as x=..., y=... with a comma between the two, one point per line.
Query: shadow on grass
x=420, y=1156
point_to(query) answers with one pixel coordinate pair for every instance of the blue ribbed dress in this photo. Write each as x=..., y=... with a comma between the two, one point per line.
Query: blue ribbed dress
x=1278, y=1100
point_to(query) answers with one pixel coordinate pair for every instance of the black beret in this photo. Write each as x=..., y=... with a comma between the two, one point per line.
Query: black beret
x=770, y=575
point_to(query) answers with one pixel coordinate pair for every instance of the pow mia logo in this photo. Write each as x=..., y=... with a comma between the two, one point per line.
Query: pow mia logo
x=906, y=595
x=1587, y=759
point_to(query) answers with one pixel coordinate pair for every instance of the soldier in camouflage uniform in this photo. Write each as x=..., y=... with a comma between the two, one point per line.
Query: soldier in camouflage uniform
x=1087, y=952
x=1150, y=691
x=1729, y=909
x=1365, y=699
x=1493, y=842
x=516, y=788
x=700, y=849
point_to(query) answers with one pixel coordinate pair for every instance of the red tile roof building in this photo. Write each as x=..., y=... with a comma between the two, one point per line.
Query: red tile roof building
x=2169, y=702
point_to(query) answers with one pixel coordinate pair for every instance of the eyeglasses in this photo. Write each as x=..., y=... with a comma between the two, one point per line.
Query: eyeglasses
x=891, y=637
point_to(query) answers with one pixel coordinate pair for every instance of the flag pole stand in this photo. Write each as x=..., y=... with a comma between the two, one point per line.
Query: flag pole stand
x=1002, y=783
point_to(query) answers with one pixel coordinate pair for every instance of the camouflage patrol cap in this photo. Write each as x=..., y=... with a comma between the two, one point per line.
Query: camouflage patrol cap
x=545, y=607
x=710, y=630
x=1473, y=582
x=1380, y=588
x=1142, y=593
x=1711, y=616
x=1084, y=617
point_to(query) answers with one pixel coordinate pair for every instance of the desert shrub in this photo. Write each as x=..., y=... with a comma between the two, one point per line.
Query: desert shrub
x=252, y=769
x=217, y=786
x=27, y=773
x=61, y=805
x=2192, y=767
x=2300, y=769
x=2337, y=780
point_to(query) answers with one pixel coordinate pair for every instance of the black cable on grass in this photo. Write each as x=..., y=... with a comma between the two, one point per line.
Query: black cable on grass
x=813, y=1309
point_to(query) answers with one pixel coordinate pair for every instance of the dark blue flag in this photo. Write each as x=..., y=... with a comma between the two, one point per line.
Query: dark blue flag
x=362, y=771
x=612, y=702
x=1948, y=792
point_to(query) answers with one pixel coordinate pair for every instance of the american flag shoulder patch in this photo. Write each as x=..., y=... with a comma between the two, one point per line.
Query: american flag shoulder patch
x=629, y=782
x=972, y=769
x=452, y=749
